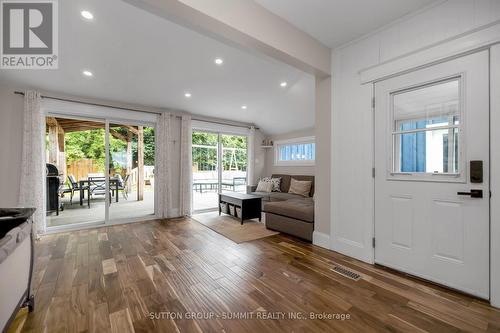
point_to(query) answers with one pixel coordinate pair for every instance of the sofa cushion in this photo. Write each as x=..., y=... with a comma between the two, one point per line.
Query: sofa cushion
x=300, y=187
x=286, y=179
x=264, y=195
x=275, y=181
x=300, y=209
x=280, y=196
x=264, y=186
x=277, y=196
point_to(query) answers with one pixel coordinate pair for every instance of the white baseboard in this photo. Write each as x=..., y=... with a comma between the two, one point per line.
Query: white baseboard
x=321, y=239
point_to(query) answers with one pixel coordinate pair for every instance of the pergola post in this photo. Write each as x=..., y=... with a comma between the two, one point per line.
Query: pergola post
x=62, y=152
x=57, y=155
x=129, y=157
x=53, y=145
x=140, y=163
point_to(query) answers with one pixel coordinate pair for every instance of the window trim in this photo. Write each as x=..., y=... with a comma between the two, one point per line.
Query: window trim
x=459, y=177
x=303, y=140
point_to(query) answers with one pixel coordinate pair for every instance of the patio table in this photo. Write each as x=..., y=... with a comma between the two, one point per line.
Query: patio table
x=85, y=185
x=199, y=184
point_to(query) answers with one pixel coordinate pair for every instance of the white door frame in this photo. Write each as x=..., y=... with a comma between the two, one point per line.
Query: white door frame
x=495, y=176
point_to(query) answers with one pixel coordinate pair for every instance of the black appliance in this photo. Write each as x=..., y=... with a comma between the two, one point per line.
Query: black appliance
x=52, y=188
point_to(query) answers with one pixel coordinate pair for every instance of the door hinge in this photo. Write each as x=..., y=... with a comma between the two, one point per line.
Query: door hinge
x=373, y=242
x=373, y=172
x=373, y=103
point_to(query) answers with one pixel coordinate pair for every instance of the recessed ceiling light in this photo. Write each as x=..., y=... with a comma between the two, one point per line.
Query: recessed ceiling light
x=218, y=61
x=87, y=73
x=187, y=95
x=283, y=84
x=87, y=15
x=244, y=107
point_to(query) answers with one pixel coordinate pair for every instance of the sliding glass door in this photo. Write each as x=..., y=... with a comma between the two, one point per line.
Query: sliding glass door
x=131, y=171
x=219, y=165
x=234, y=162
x=98, y=171
x=205, y=150
x=76, y=168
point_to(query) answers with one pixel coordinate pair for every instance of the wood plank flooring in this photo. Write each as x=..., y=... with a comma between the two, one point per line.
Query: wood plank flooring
x=148, y=277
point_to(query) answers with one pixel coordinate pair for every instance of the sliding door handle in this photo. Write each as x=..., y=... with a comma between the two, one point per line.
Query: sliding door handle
x=472, y=193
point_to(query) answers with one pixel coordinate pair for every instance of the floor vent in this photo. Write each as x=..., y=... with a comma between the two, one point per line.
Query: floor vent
x=347, y=273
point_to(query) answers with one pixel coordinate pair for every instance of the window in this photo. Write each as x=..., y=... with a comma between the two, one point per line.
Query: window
x=299, y=151
x=426, y=129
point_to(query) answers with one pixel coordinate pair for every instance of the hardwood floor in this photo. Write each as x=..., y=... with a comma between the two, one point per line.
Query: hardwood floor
x=132, y=277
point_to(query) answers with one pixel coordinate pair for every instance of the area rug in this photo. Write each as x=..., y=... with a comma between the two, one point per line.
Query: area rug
x=231, y=227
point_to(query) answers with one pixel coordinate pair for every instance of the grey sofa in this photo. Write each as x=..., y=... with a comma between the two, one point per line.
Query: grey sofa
x=286, y=212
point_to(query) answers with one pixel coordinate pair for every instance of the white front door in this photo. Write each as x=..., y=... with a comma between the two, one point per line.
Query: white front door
x=431, y=137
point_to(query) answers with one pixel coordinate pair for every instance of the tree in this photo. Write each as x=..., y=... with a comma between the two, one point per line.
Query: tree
x=206, y=157
x=90, y=145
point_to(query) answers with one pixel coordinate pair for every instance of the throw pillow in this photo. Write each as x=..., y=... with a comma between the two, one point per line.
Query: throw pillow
x=300, y=187
x=264, y=186
x=275, y=181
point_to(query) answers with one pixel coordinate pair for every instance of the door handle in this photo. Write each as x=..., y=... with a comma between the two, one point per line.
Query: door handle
x=472, y=193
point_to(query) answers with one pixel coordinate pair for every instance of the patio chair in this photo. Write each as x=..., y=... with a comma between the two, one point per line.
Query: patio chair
x=97, y=186
x=123, y=185
x=63, y=189
x=71, y=188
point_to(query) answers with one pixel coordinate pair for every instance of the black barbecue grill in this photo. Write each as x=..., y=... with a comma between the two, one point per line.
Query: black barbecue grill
x=53, y=184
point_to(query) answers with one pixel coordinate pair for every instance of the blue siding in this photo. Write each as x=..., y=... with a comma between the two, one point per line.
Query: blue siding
x=413, y=148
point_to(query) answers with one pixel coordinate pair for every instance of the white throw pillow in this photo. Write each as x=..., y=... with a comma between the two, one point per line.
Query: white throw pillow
x=300, y=187
x=264, y=186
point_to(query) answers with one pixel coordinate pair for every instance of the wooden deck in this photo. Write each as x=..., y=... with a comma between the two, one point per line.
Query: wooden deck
x=147, y=276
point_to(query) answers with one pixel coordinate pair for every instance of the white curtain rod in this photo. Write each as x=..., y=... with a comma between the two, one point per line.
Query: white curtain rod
x=131, y=109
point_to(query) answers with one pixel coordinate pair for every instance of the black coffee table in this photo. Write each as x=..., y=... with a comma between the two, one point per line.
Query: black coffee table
x=251, y=205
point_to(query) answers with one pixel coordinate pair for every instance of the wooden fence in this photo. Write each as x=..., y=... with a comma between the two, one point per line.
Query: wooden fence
x=81, y=168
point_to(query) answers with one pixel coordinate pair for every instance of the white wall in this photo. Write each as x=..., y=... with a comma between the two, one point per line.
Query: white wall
x=270, y=168
x=11, y=126
x=259, y=156
x=322, y=192
x=352, y=120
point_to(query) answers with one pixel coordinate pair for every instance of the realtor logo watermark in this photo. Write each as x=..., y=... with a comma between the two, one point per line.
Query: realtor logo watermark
x=29, y=36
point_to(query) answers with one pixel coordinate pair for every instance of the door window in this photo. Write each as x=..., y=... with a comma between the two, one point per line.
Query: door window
x=426, y=129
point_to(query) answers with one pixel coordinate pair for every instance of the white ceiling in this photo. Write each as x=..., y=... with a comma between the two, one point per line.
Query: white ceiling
x=139, y=58
x=335, y=22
